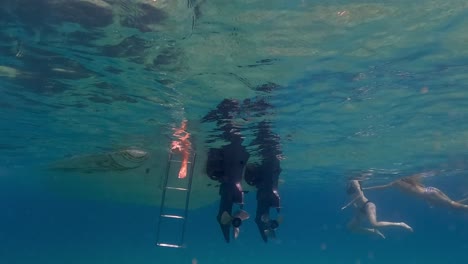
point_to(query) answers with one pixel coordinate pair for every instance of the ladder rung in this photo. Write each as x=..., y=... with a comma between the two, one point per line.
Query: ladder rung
x=169, y=245
x=188, y=162
x=172, y=216
x=176, y=188
x=187, y=189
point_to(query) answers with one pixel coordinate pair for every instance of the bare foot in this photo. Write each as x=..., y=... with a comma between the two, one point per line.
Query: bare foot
x=378, y=233
x=404, y=225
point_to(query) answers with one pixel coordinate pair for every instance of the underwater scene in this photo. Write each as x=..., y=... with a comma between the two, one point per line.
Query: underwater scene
x=232, y=132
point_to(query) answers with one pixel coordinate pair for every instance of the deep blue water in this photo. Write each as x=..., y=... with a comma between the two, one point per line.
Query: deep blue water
x=40, y=227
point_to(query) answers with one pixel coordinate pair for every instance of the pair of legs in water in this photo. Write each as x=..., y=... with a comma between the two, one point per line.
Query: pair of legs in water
x=435, y=196
x=366, y=210
x=412, y=185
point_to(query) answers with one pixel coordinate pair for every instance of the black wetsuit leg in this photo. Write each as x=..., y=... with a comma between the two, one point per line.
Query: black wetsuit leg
x=225, y=205
x=230, y=190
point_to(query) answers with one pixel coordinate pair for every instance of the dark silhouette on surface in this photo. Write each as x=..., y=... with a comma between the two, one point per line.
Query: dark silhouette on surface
x=227, y=165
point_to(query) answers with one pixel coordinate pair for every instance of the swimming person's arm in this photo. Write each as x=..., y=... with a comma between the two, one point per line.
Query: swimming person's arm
x=347, y=205
x=379, y=186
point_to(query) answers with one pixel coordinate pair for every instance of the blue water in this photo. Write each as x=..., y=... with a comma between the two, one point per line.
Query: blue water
x=361, y=87
x=40, y=227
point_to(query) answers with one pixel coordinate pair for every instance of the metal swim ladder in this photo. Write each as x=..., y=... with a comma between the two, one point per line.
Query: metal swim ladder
x=172, y=217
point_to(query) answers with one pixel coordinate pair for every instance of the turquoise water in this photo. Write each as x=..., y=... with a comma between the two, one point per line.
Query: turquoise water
x=374, y=87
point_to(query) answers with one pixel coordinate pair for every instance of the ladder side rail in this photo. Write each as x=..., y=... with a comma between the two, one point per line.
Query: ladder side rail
x=187, y=197
x=163, y=196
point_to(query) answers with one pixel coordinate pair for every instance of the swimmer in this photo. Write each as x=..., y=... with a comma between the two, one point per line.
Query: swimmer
x=412, y=185
x=365, y=209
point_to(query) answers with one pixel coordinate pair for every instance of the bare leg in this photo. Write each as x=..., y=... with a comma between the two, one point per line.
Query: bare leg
x=441, y=197
x=372, y=216
x=459, y=205
x=354, y=226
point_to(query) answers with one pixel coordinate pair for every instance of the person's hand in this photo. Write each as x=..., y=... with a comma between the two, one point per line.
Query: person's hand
x=379, y=233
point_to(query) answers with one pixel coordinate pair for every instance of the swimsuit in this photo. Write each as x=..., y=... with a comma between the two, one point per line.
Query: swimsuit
x=429, y=190
x=364, y=207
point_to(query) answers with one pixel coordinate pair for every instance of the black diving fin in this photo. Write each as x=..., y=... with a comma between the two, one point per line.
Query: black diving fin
x=270, y=226
x=234, y=220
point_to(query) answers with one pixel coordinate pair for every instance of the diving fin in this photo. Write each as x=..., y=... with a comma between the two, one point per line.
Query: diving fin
x=271, y=225
x=236, y=220
x=226, y=218
x=242, y=215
